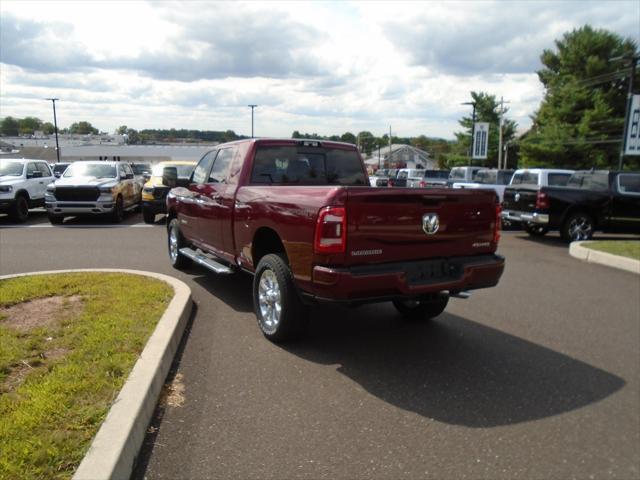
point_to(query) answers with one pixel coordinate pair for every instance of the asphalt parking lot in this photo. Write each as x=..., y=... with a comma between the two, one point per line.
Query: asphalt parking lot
x=537, y=378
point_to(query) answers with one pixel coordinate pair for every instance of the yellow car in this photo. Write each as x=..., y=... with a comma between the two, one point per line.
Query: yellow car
x=154, y=192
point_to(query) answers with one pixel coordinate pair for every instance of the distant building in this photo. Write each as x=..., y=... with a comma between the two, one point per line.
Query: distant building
x=400, y=156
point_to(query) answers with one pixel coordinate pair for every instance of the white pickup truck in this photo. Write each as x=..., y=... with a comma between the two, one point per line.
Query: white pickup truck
x=23, y=183
x=489, y=179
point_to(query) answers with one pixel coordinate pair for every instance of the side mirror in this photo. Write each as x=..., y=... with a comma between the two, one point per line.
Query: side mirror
x=57, y=174
x=129, y=176
x=170, y=177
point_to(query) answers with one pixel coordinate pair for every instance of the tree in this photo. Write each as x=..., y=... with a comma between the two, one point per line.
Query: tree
x=48, y=128
x=9, y=126
x=367, y=142
x=28, y=125
x=348, y=137
x=487, y=110
x=122, y=130
x=82, y=128
x=580, y=120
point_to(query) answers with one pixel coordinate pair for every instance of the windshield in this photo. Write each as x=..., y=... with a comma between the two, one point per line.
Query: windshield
x=444, y=174
x=184, y=171
x=90, y=170
x=307, y=166
x=140, y=168
x=13, y=169
x=457, y=173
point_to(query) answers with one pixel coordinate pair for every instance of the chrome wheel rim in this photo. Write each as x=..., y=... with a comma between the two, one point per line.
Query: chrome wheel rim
x=579, y=229
x=173, y=244
x=269, y=301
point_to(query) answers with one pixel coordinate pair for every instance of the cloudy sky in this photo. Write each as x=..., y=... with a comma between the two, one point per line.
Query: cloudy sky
x=325, y=67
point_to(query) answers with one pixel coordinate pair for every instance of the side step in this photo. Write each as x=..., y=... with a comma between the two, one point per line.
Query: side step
x=205, y=260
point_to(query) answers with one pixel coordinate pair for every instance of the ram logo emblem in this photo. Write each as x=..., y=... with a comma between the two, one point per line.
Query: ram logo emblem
x=430, y=223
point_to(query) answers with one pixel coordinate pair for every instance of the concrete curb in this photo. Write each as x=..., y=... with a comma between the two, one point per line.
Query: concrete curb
x=116, y=445
x=579, y=250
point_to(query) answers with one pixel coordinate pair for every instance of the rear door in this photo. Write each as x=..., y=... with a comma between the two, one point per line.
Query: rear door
x=625, y=212
x=389, y=225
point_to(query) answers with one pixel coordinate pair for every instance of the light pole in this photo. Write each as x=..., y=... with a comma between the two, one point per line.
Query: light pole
x=55, y=127
x=252, y=107
x=473, y=128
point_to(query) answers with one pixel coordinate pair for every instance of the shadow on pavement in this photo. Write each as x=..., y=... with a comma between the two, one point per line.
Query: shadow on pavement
x=451, y=370
x=234, y=290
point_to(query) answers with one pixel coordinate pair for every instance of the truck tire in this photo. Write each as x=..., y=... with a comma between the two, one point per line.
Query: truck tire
x=19, y=211
x=118, y=210
x=421, y=309
x=55, y=219
x=149, y=216
x=536, y=230
x=175, y=241
x=578, y=226
x=279, y=310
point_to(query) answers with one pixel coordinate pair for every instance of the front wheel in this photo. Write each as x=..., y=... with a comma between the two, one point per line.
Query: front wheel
x=578, y=226
x=118, y=210
x=279, y=311
x=536, y=230
x=175, y=243
x=421, y=309
x=56, y=219
x=20, y=210
x=149, y=216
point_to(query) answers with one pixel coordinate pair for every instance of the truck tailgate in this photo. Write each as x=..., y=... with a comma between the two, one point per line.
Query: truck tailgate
x=387, y=225
x=520, y=199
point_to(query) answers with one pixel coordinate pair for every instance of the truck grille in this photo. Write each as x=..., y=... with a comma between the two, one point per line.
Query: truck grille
x=160, y=193
x=77, y=194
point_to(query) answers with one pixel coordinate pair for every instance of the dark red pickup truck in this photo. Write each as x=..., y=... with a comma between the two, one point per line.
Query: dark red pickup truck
x=300, y=216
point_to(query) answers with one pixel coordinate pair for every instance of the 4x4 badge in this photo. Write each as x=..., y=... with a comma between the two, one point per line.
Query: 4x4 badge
x=430, y=223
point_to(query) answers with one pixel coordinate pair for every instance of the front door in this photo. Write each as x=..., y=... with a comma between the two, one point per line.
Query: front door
x=625, y=205
x=212, y=210
x=188, y=214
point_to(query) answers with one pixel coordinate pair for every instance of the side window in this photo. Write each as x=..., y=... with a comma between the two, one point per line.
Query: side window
x=201, y=172
x=221, y=166
x=31, y=169
x=558, y=179
x=121, y=171
x=127, y=169
x=44, y=168
x=629, y=184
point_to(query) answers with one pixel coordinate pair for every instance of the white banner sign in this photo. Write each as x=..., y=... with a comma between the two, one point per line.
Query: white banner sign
x=480, y=140
x=633, y=128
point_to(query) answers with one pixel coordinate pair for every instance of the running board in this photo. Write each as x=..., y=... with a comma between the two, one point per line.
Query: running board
x=205, y=261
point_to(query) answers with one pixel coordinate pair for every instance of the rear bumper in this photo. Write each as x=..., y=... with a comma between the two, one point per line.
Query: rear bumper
x=367, y=284
x=526, y=217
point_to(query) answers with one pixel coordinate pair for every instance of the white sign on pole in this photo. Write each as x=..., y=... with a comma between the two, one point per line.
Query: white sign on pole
x=480, y=140
x=632, y=145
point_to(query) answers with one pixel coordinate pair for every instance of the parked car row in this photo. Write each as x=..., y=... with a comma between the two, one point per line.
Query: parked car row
x=82, y=188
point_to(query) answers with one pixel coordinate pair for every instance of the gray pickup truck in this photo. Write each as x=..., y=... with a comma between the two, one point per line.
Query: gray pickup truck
x=93, y=188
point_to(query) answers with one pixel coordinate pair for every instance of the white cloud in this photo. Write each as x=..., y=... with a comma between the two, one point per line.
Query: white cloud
x=317, y=67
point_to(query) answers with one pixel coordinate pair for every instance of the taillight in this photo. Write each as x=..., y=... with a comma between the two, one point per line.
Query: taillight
x=331, y=231
x=496, y=229
x=542, y=201
x=422, y=183
x=390, y=183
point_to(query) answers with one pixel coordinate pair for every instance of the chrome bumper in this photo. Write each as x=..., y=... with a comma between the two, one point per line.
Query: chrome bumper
x=526, y=217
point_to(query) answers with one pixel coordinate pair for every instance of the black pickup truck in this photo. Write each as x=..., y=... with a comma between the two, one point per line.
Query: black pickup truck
x=600, y=200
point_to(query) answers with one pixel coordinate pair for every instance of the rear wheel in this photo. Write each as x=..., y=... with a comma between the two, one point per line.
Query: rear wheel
x=536, y=230
x=577, y=227
x=175, y=243
x=20, y=210
x=279, y=310
x=422, y=309
x=149, y=216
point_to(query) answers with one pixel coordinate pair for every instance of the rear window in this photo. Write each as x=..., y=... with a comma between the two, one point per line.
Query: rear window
x=293, y=165
x=525, y=178
x=486, y=177
x=558, y=179
x=457, y=173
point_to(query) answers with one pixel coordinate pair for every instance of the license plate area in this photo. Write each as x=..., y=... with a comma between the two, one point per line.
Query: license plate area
x=431, y=271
